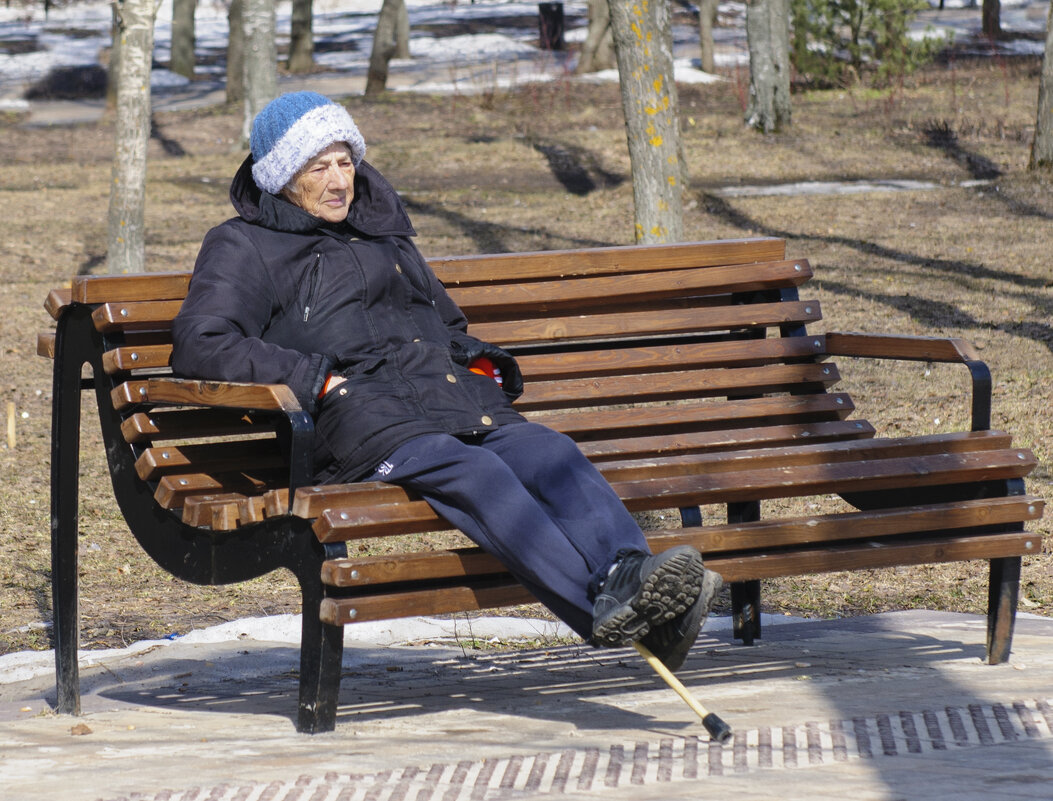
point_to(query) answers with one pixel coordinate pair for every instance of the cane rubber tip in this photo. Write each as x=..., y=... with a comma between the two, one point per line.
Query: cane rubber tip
x=717, y=728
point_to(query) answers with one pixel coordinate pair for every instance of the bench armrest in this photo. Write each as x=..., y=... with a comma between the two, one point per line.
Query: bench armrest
x=924, y=349
x=276, y=398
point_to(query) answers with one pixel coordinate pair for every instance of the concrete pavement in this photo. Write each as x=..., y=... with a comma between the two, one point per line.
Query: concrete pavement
x=893, y=706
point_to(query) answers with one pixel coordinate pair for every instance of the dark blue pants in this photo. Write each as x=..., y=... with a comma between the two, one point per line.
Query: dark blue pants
x=527, y=495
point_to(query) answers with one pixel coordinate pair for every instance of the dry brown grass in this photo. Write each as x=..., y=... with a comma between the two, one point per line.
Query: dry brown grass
x=960, y=261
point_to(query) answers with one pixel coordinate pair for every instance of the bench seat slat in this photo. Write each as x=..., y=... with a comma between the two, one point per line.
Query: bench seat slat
x=174, y=490
x=712, y=540
x=724, y=440
x=652, y=387
x=691, y=415
x=224, y=512
x=57, y=301
x=647, y=323
x=161, y=425
x=496, y=591
x=337, y=522
x=494, y=301
x=259, y=454
x=804, y=455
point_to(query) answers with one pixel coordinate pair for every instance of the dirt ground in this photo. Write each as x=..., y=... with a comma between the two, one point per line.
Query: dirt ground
x=544, y=167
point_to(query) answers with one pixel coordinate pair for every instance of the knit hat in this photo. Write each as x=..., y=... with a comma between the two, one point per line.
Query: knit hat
x=294, y=128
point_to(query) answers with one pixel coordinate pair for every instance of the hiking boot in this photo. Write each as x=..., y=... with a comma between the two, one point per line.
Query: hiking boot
x=671, y=641
x=643, y=591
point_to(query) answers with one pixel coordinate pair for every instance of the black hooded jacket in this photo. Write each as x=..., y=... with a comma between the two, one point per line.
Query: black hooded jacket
x=278, y=296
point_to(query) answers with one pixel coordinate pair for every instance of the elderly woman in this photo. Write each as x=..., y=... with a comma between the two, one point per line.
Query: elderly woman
x=317, y=284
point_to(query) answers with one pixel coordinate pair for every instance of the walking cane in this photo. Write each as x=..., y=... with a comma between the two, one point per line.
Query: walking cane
x=717, y=728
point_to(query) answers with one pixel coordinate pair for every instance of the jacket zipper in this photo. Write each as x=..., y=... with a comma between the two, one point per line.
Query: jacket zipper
x=315, y=273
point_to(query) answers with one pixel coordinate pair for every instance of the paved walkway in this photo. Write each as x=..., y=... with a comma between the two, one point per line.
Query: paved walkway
x=892, y=706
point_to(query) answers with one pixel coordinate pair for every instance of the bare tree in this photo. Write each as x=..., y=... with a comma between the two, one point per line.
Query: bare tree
x=384, y=47
x=1042, y=146
x=402, y=32
x=991, y=18
x=235, y=52
x=261, y=60
x=597, y=52
x=181, y=60
x=125, y=252
x=768, y=36
x=643, y=44
x=301, y=37
x=707, y=18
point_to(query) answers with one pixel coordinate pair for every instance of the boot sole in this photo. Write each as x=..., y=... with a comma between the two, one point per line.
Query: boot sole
x=674, y=654
x=669, y=590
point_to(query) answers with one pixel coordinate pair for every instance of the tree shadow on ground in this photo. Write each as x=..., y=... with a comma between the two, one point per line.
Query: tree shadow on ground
x=927, y=310
x=491, y=237
x=578, y=170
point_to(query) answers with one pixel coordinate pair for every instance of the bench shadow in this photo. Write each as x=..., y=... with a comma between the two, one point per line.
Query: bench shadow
x=564, y=683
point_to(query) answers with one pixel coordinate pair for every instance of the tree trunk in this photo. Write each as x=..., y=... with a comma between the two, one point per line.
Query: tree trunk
x=991, y=17
x=261, y=60
x=301, y=37
x=402, y=32
x=768, y=35
x=383, y=47
x=597, y=53
x=113, y=64
x=1042, y=146
x=235, y=52
x=125, y=250
x=707, y=18
x=181, y=60
x=643, y=44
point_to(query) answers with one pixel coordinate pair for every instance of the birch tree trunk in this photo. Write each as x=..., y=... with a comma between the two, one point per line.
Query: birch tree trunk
x=181, y=60
x=643, y=44
x=597, y=53
x=125, y=228
x=1042, y=146
x=301, y=37
x=235, y=52
x=261, y=60
x=707, y=17
x=383, y=47
x=768, y=35
x=402, y=32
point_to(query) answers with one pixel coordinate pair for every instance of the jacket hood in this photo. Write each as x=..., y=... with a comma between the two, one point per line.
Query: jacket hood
x=376, y=210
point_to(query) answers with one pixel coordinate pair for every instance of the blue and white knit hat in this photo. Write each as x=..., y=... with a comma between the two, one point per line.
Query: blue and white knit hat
x=291, y=130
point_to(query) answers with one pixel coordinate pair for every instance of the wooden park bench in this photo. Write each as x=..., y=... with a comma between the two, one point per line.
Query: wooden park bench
x=687, y=372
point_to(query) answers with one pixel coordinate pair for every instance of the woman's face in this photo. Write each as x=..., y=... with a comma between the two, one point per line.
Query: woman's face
x=325, y=185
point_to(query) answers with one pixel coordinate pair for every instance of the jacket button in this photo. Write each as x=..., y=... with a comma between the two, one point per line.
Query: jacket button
x=398, y=268
x=451, y=378
x=486, y=420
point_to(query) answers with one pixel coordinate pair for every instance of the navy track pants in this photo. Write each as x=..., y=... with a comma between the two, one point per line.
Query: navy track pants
x=528, y=496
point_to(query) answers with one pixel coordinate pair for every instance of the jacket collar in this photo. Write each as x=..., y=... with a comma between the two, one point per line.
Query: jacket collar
x=377, y=209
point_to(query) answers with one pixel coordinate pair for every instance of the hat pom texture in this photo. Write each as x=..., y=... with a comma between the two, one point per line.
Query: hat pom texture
x=294, y=128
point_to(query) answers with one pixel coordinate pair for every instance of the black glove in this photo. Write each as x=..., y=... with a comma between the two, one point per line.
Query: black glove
x=466, y=349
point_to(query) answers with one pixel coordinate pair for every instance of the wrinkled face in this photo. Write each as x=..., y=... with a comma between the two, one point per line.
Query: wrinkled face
x=325, y=185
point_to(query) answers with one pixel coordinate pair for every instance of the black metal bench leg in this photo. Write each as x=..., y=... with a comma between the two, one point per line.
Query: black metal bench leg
x=1003, y=591
x=321, y=657
x=65, y=468
x=745, y=595
x=745, y=611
